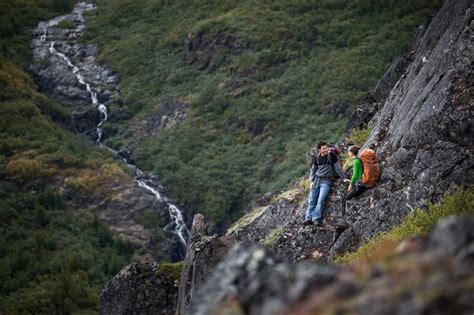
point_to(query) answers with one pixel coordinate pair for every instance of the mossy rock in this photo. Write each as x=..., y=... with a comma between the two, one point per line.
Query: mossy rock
x=272, y=237
x=170, y=270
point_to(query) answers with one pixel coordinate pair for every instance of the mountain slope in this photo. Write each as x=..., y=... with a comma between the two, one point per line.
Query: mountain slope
x=419, y=121
x=226, y=97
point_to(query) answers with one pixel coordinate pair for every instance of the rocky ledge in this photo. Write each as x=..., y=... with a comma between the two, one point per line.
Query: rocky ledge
x=430, y=275
x=423, y=275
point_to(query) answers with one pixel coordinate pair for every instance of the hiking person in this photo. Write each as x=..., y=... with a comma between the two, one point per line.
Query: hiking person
x=365, y=173
x=325, y=169
x=355, y=187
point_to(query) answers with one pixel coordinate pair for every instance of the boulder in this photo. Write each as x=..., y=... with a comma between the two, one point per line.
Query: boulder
x=140, y=289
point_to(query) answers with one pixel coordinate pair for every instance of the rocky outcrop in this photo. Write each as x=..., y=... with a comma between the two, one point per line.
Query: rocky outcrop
x=140, y=289
x=421, y=119
x=261, y=220
x=203, y=255
x=278, y=226
x=422, y=135
x=419, y=277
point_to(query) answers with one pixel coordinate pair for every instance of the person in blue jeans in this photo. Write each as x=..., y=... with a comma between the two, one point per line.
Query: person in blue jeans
x=325, y=168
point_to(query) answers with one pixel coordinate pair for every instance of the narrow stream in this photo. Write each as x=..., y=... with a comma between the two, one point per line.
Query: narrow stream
x=177, y=227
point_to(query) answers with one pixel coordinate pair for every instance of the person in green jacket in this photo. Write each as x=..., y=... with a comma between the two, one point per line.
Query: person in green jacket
x=355, y=187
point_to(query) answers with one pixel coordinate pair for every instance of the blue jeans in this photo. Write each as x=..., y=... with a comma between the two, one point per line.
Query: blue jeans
x=317, y=197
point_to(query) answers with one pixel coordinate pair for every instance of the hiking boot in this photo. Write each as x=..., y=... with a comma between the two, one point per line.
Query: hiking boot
x=318, y=222
x=307, y=222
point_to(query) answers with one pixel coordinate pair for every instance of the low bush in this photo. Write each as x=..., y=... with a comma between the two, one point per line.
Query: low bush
x=27, y=169
x=358, y=136
x=65, y=24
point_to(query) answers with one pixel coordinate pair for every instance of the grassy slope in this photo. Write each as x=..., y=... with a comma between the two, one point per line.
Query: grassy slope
x=54, y=257
x=282, y=77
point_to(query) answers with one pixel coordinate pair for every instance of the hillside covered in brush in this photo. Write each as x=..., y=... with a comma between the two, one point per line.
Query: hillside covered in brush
x=223, y=98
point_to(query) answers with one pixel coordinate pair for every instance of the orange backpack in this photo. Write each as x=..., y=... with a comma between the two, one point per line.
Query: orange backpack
x=370, y=165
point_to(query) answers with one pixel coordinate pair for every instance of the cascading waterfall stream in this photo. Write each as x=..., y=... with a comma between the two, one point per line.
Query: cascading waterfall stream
x=177, y=226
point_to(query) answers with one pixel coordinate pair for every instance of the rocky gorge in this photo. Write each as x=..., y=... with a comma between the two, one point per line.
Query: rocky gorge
x=420, y=116
x=67, y=71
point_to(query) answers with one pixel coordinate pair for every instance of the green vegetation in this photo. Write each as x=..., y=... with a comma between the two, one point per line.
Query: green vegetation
x=266, y=81
x=17, y=17
x=263, y=82
x=151, y=221
x=171, y=270
x=272, y=236
x=416, y=223
x=55, y=256
x=358, y=136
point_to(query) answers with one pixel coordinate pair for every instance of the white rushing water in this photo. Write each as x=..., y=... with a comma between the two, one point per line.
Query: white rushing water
x=177, y=226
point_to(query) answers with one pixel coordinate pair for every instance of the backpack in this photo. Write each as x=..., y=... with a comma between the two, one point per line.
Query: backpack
x=370, y=165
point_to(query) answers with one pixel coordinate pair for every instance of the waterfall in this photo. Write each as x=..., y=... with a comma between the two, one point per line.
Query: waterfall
x=176, y=227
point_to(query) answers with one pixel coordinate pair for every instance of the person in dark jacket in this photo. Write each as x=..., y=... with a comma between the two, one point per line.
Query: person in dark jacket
x=325, y=169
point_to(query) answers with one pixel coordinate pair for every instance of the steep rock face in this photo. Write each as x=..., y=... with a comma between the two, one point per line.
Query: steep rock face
x=421, y=119
x=139, y=289
x=203, y=255
x=422, y=276
x=423, y=133
x=374, y=101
